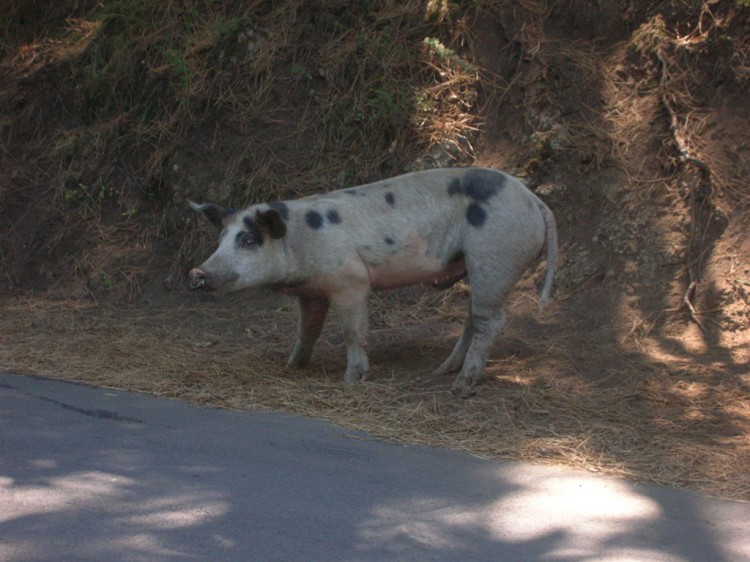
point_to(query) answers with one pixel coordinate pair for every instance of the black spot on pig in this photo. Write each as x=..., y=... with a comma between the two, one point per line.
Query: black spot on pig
x=333, y=216
x=270, y=221
x=314, y=219
x=281, y=207
x=481, y=185
x=388, y=240
x=476, y=215
x=478, y=185
x=252, y=235
x=390, y=199
x=454, y=187
x=352, y=191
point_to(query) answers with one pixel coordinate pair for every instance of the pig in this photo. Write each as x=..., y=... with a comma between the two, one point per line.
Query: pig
x=431, y=227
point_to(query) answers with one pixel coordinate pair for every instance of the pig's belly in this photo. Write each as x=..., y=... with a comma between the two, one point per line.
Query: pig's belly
x=415, y=270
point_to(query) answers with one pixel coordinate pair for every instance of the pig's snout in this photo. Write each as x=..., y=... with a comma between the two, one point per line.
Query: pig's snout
x=198, y=279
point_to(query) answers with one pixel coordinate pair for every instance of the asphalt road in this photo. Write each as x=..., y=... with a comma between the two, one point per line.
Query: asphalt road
x=96, y=474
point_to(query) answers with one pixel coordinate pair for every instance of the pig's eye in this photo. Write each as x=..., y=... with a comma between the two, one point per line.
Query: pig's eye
x=246, y=240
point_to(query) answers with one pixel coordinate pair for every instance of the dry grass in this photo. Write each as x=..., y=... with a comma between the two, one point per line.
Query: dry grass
x=547, y=397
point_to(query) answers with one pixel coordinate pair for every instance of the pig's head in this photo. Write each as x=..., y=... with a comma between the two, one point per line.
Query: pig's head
x=250, y=252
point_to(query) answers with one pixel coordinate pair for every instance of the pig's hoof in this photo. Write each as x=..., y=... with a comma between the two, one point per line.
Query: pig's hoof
x=444, y=369
x=354, y=376
x=463, y=391
x=296, y=363
x=463, y=386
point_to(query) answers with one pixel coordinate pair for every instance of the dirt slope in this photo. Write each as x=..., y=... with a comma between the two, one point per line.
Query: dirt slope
x=629, y=120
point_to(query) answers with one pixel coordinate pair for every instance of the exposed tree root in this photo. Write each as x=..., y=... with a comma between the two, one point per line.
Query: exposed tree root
x=684, y=154
x=695, y=251
x=686, y=299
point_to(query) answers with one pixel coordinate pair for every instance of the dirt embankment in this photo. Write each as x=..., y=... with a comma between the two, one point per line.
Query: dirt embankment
x=629, y=120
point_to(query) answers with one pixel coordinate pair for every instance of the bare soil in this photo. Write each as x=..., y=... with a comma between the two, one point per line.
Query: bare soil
x=640, y=366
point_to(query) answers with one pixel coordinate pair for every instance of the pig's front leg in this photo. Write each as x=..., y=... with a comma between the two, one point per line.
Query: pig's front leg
x=351, y=310
x=312, y=315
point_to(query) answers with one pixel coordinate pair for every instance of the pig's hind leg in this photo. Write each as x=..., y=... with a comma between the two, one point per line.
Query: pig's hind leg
x=456, y=359
x=491, y=280
x=487, y=323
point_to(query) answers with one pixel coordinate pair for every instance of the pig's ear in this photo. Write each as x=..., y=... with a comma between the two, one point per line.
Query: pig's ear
x=271, y=222
x=216, y=214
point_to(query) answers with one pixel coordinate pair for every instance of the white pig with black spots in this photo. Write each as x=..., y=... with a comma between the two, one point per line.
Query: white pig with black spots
x=433, y=227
